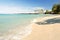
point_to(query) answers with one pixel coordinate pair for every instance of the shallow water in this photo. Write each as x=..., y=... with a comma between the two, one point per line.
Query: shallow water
x=12, y=21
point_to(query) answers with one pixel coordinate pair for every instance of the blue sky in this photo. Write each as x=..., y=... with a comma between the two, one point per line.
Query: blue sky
x=12, y=6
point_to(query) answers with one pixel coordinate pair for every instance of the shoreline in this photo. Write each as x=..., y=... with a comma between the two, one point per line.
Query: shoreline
x=32, y=31
x=17, y=34
x=44, y=32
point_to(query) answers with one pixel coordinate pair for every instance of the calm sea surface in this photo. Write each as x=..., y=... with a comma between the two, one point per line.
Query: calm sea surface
x=10, y=21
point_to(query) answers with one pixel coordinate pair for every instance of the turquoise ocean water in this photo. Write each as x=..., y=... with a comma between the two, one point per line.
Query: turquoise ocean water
x=11, y=21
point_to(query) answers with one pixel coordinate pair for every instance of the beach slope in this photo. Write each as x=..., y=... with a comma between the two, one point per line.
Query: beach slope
x=44, y=32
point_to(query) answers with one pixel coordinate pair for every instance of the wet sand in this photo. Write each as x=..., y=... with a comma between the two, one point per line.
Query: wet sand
x=44, y=32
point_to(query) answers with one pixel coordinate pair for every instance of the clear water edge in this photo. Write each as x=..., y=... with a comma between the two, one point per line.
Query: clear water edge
x=9, y=22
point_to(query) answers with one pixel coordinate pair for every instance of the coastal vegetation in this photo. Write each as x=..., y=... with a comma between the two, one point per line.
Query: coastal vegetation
x=55, y=9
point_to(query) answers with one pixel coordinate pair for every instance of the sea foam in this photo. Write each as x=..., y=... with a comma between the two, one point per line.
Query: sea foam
x=19, y=35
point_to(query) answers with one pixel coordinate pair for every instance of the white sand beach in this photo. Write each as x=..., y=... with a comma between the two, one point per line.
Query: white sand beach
x=44, y=28
x=44, y=32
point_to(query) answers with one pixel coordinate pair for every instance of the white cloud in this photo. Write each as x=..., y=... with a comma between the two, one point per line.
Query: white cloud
x=39, y=8
x=4, y=9
x=9, y=9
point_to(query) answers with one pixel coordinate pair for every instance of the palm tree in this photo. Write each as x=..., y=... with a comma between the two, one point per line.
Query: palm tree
x=56, y=8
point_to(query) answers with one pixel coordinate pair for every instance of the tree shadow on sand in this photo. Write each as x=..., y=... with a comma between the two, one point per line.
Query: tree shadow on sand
x=49, y=21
